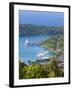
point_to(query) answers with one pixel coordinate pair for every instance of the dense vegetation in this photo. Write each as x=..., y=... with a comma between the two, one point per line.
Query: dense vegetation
x=29, y=29
x=41, y=71
x=54, y=43
x=37, y=69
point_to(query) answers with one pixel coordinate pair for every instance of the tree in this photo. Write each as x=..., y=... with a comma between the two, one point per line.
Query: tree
x=53, y=68
x=21, y=66
x=32, y=71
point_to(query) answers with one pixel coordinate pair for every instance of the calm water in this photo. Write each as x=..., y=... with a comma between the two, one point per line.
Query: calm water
x=31, y=52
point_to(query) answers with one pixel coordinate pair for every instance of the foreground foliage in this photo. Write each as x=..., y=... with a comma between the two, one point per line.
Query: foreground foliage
x=41, y=71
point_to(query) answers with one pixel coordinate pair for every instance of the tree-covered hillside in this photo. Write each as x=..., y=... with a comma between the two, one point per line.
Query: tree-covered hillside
x=29, y=29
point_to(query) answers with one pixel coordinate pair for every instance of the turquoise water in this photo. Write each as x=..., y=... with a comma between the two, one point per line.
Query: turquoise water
x=31, y=52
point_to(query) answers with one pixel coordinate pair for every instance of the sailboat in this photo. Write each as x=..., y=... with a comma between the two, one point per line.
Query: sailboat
x=26, y=43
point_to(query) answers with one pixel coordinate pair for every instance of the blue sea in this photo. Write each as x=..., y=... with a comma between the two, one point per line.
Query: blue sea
x=32, y=52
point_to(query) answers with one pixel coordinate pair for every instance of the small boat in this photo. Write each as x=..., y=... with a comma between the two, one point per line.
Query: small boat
x=27, y=43
x=45, y=57
x=42, y=54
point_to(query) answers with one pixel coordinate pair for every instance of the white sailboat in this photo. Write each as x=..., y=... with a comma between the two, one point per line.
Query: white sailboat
x=26, y=43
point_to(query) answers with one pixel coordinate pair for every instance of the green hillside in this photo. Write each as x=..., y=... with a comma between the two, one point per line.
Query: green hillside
x=29, y=29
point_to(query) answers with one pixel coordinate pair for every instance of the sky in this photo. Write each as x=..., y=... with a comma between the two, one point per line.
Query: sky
x=41, y=18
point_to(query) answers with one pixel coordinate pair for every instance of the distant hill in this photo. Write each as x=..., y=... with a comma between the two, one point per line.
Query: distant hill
x=30, y=29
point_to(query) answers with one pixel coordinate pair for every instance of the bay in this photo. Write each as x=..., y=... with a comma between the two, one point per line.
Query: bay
x=31, y=52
